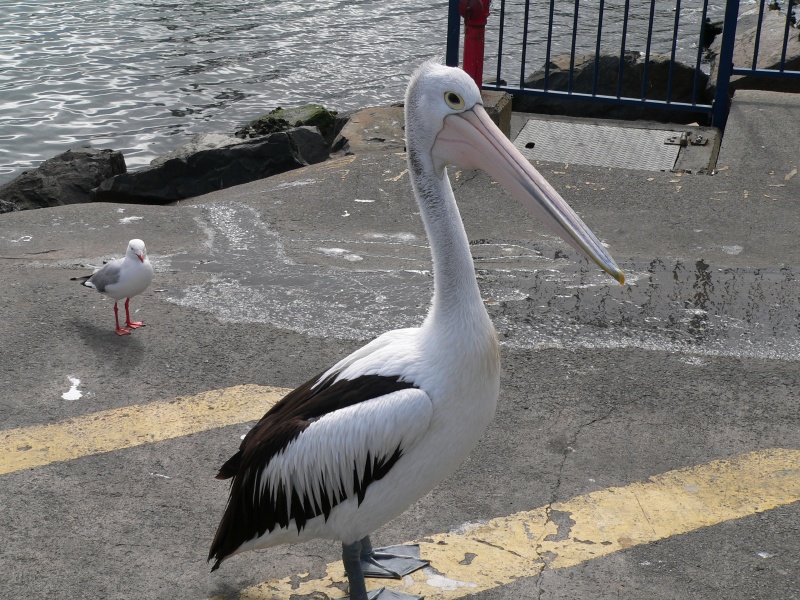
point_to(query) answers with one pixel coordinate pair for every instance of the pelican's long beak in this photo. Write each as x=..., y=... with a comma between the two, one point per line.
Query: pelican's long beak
x=472, y=141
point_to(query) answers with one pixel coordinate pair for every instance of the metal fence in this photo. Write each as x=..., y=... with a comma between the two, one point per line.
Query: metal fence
x=638, y=37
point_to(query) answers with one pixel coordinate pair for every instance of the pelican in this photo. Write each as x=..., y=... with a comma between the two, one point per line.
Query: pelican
x=123, y=278
x=352, y=448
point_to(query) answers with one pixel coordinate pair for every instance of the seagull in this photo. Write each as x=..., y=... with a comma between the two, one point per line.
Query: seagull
x=355, y=446
x=123, y=278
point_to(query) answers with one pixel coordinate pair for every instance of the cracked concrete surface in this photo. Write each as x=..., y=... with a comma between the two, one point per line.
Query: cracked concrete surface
x=583, y=406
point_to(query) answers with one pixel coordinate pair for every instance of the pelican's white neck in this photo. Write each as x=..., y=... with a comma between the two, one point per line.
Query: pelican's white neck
x=456, y=292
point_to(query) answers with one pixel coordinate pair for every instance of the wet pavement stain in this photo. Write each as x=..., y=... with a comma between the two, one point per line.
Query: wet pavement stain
x=680, y=306
x=538, y=296
x=251, y=279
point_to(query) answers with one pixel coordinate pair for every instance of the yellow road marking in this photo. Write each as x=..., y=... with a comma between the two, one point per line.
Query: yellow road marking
x=480, y=557
x=131, y=426
x=505, y=549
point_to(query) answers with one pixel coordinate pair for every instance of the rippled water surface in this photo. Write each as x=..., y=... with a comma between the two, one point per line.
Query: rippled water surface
x=141, y=76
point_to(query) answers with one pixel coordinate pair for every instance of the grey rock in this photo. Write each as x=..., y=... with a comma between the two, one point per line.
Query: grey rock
x=199, y=143
x=213, y=162
x=683, y=79
x=281, y=119
x=63, y=179
x=373, y=129
x=7, y=206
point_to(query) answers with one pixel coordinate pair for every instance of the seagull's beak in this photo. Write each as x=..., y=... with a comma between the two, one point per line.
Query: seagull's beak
x=472, y=141
x=141, y=256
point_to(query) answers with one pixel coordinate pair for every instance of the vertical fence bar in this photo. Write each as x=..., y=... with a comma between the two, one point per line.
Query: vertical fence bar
x=719, y=113
x=647, y=48
x=524, y=44
x=786, y=35
x=572, y=49
x=622, y=48
x=597, y=48
x=758, y=33
x=453, y=34
x=700, y=46
x=549, y=44
x=500, y=41
x=674, y=46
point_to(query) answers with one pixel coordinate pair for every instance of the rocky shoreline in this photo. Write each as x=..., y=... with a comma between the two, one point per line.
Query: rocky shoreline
x=277, y=142
x=282, y=140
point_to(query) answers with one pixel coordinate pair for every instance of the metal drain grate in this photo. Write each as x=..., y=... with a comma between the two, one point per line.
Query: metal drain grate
x=598, y=145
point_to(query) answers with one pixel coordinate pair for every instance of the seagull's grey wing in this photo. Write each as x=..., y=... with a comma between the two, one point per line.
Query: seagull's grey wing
x=108, y=275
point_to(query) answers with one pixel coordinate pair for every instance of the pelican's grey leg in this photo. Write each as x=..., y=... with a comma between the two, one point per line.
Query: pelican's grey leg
x=351, y=557
x=400, y=561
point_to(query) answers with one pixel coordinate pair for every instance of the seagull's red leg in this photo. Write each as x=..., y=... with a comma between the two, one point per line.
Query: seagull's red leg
x=120, y=330
x=128, y=322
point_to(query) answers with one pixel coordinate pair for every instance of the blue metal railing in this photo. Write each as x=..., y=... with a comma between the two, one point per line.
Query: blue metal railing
x=635, y=30
x=781, y=71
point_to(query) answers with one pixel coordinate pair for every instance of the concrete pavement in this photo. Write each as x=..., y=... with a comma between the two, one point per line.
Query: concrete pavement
x=692, y=362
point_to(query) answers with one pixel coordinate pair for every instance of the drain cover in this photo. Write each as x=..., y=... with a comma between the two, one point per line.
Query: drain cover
x=598, y=145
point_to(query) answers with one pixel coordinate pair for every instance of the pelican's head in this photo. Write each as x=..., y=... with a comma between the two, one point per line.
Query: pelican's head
x=136, y=249
x=447, y=125
x=435, y=93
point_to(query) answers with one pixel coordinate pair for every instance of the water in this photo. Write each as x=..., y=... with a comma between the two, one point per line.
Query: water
x=143, y=76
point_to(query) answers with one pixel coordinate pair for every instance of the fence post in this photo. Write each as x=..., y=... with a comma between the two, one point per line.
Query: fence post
x=453, y=33
x=719, y=114
x=475, y=13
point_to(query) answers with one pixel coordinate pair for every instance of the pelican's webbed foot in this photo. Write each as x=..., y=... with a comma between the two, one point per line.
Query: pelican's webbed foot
x=391, y=594
x=360, y=560
x=391, y=562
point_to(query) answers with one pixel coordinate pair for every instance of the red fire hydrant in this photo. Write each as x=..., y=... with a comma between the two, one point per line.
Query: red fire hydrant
x=475, y=14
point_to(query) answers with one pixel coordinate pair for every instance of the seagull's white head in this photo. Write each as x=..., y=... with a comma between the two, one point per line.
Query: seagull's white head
x=447, y=125
x=136, y=250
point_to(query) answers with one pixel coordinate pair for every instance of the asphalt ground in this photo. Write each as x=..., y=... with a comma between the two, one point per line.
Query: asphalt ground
x=647, y=435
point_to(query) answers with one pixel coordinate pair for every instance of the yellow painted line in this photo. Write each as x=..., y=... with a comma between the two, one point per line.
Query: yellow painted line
x=480, y=557
x=131, y=426
x=506, y=549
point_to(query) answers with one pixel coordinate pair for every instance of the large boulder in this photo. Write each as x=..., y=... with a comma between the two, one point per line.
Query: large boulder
x=683, y=78
x=373, y=129
x=770, y=48
x=63, y=179
x=213, y=162
x=328, y=122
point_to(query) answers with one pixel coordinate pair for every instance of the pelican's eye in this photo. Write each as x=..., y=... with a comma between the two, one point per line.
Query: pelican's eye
x=454, y=100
